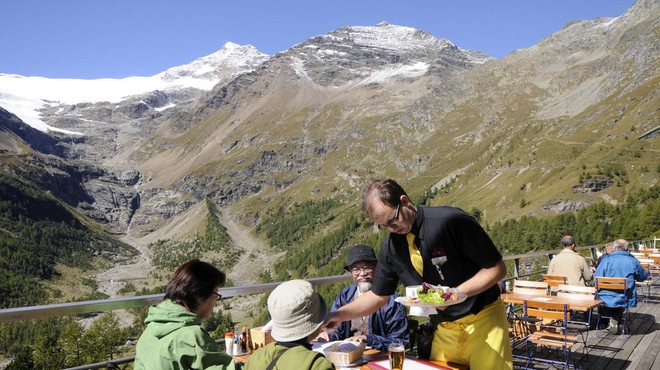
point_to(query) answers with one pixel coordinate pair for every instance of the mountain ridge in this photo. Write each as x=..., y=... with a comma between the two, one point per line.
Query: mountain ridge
x=509, y=137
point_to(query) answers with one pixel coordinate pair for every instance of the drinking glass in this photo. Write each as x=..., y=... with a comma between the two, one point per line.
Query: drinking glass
x=397, y=352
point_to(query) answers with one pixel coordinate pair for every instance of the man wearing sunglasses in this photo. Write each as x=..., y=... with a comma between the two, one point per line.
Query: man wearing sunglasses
x=378, y=330
x=441, y=246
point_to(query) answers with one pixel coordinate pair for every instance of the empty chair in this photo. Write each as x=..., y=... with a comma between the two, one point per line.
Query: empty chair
x=646, y=285
x=554, y=281
x=551, y=341
x=579, y=292
x=530, y=287
x=655, y=257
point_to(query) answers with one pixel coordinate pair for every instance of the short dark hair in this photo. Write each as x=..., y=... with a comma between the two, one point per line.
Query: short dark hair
x=193, y=282
x=387, y=191
x=567, y=240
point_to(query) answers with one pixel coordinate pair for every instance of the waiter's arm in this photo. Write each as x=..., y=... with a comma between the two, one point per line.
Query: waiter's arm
x=483, y=279
x=366, y=304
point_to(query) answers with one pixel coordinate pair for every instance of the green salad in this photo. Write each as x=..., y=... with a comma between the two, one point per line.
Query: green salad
x=432, y=294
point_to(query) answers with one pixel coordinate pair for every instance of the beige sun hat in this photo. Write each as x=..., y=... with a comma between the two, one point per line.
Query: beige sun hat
x=297, y=311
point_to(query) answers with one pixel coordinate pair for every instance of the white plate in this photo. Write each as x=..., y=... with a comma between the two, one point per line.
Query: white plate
x=450, y=302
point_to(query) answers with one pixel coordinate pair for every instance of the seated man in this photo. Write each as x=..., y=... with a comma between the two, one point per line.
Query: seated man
x=297, y=313
x=570, y=264
x=383, y=326
x=607, y=249
x=619, y=263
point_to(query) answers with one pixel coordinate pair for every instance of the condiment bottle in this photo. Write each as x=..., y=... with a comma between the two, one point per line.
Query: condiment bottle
x=244, y=347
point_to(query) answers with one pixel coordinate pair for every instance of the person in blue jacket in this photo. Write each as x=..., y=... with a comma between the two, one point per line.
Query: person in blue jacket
x=619, y=263
x=379, y=329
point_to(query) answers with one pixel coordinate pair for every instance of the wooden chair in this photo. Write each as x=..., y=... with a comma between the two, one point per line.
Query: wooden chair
x=619, y=286
x=530, y=287
x=655, y=266
x=645, y=286
x=554, y=281
x=552, y=342
x=517, y=327
x=578, y=292
x=655, y=257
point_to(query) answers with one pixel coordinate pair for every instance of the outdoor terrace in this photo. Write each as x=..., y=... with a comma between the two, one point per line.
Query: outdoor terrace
x=638, y=350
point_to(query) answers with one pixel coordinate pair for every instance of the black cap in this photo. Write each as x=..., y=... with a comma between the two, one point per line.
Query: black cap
x=360, y=253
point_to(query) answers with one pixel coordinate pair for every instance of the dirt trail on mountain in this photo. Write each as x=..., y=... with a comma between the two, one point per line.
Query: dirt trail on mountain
x=256, y=256
x=113, y=279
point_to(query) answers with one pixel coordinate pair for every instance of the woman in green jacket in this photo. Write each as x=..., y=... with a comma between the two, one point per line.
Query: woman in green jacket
x=298, y=313
x=174, y=338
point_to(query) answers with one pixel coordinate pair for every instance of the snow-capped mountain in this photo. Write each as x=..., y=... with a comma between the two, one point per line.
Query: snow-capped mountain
x=362, y=55
x=355, y=102
x=27, y=96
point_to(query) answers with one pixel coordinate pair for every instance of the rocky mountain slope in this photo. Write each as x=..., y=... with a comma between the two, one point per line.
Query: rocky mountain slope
x=511, y=137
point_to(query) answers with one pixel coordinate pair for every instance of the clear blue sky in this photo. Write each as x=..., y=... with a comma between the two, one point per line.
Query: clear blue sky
x=120, y=38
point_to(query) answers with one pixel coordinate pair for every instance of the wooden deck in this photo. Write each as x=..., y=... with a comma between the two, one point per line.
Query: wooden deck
x=639, y=350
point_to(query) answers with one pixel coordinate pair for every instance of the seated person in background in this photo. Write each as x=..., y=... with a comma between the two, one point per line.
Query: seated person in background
x=570, y=264
x=297, y=313
x=379, y=329
x=607, y=249
x=619, y=263
x=174, y=338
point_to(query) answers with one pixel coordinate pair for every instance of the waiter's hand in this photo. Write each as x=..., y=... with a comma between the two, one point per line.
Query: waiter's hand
x=332, y=322
x=322, y=337
x=455, y=296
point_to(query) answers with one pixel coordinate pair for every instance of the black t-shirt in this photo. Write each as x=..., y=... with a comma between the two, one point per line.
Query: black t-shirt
x=451, y=239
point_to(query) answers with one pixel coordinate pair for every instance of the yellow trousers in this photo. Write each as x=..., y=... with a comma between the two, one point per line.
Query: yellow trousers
x=480, y=341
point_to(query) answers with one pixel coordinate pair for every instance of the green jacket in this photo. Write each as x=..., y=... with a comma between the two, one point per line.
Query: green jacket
x=298, y=358
x=175, y=340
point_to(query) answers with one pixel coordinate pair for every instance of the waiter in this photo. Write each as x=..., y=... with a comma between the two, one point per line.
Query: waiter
x=441, y=246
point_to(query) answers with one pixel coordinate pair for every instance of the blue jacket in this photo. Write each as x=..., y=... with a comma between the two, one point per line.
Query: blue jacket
x=388, y=323
x=620, y=264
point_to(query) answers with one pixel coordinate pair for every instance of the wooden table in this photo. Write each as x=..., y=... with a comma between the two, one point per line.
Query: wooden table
x=372, y=355
x=576, y=304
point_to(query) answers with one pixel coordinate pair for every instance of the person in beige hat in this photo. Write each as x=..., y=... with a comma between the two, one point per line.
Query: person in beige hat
x=297, y=313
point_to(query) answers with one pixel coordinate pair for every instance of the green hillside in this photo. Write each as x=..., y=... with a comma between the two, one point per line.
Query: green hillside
x=38, y=232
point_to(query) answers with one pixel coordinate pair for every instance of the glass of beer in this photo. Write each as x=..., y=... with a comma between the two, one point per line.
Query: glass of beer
x=397, y=352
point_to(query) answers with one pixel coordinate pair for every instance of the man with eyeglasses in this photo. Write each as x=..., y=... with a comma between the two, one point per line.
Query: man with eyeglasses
x=378, y=330
x=441, y=246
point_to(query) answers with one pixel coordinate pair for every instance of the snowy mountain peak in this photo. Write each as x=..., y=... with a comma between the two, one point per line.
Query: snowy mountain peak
x=391, y=37
x=25, y=96
x=236, y=58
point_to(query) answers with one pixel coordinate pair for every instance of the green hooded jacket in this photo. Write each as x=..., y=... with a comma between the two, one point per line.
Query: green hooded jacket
x=175, y=340
x=298, y=358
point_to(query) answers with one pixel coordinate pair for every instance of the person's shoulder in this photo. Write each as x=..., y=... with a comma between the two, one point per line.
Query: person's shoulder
x=346, y=293
x=447, y=214
x=443, y=211
x=262, y=356
x=196, y=332
x=322, y=363
x=317, y=360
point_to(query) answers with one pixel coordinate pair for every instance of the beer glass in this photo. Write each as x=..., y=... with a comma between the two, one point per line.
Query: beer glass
x=397, y=352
